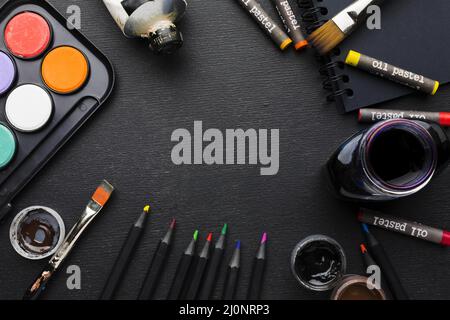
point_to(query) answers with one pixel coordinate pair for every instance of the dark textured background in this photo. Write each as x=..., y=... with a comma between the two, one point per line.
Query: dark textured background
x=229, y=75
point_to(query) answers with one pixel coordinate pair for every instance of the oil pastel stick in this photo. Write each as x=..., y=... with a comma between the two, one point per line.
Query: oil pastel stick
x=277, y=34
x=291, y=23
x=400, y=225
x=376, y=115
x=393, y=73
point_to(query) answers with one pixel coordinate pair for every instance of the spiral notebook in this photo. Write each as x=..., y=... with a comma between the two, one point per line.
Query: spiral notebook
x=413, y=35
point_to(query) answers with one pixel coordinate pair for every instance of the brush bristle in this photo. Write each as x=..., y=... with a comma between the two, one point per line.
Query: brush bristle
x=326, y=38
x=103, y=193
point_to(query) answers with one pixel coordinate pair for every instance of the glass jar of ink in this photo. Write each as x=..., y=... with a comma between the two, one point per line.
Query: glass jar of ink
x=390, y=160
x=318, y=263
x=36, y=232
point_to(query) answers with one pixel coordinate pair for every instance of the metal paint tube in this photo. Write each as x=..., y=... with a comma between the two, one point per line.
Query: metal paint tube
x=153, y=20
x=393, y=73
x=261, y=17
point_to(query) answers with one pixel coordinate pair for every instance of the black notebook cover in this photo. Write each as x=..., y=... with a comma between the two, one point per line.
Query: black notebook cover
x=414, y=35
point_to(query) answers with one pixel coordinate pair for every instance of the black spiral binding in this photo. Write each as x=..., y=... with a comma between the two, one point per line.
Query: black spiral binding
x=313, y=17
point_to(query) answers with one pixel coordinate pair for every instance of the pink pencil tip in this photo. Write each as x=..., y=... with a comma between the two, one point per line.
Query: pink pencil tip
x=209, y=237
x=173, y=223
x=264, y=238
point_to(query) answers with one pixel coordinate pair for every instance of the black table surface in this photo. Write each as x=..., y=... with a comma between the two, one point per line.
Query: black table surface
x=228, y=75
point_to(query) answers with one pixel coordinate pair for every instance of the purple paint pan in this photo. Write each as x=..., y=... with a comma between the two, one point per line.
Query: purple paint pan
x=7, y=72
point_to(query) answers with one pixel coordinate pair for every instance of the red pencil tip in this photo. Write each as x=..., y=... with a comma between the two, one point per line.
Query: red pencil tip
x=360, y=215
x=173, y=223
x=209, y=238
x=363, y=248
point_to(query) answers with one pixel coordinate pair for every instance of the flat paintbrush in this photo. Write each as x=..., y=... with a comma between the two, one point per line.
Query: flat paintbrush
x=333, y=32
x=95, y=205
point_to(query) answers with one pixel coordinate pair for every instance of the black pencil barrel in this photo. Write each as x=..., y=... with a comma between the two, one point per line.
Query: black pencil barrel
x=154, y=273
x=121, y=264
x=211, y=276
x=256, y=280
x=231, y=281
x=392, y=280
x=180, y=277
x=197, y=279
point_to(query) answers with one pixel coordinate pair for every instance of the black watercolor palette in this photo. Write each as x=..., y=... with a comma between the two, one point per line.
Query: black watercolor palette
x=57, y=80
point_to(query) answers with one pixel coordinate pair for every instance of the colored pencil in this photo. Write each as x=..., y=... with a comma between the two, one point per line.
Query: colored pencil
x=259, y=264
x=367, y=257
x=380, y=256
x=124, y=257
x=93, y=208
x=199, y=270
x=181, y=274
x=231, y=280
x=157, y=265
x=214, y=266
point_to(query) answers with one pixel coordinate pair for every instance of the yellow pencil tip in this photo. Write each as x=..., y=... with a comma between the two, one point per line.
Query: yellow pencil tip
x=147, y=208
x=436, y=87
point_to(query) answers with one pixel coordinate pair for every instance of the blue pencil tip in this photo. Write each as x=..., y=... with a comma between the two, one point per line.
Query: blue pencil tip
x=238, y=244
x=365, y=227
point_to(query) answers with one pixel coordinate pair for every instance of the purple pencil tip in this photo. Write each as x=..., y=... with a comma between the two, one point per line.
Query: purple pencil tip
x=264, y=238
x=238, y=244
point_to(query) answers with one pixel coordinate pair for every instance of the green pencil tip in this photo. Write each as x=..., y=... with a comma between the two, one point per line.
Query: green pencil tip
x=225, y=228
x=196, y=235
